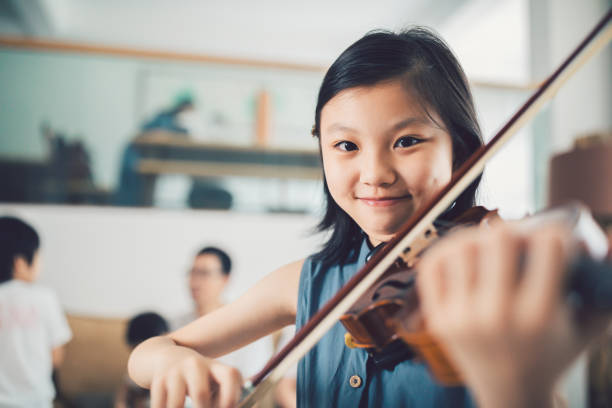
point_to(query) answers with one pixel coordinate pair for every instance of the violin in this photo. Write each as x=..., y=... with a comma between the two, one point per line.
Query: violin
x=389, y=311
x=389, y=319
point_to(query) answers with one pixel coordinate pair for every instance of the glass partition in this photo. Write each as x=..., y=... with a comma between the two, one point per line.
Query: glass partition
x=134, y=130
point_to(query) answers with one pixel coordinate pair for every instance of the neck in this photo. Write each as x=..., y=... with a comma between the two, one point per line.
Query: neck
x=375, y=241
x=205, y=308
x=23, y=277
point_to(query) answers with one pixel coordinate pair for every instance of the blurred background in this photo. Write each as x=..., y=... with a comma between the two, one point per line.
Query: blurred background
x=134, y=132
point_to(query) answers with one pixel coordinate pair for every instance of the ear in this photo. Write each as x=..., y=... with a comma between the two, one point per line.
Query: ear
x=20, y=267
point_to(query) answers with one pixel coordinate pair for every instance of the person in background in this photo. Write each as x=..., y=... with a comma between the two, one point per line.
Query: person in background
x=139, y=328
x=208, y=278
x=132, y=190
x=33, y=327
x=180, y=121
x=171, y=119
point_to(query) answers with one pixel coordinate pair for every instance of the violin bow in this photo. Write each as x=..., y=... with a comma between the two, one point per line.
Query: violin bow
x=420, y=221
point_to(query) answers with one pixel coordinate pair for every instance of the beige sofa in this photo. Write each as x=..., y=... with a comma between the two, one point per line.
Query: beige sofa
x=95, y=361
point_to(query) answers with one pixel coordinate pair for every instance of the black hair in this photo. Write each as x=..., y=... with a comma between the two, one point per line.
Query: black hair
x=17, y=239
x=144, y=326
x=427, y=66
x=226, y=262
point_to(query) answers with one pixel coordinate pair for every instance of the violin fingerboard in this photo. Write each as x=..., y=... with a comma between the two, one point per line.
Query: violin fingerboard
x=411, y=253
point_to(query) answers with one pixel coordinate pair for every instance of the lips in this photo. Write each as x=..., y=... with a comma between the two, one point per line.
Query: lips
x=384, y=201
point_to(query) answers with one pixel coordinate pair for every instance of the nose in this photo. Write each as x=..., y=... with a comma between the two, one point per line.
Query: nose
x=376, y=169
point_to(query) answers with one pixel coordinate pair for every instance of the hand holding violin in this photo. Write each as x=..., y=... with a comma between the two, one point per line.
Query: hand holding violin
x=494, y=297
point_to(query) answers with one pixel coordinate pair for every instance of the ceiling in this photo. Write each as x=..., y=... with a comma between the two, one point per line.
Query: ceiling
x=308, y=32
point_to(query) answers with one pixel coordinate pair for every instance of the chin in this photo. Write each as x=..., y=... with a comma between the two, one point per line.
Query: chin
x=381, y=234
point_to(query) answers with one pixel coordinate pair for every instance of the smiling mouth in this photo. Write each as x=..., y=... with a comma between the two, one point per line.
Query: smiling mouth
x=384, y=201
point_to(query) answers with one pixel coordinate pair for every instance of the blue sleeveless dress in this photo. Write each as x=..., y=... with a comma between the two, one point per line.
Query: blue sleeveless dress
x=332, y=375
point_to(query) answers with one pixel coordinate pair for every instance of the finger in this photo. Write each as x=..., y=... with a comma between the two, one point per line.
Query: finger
x=198, y=389
x=158, y=393
x=461, y=271
x=499, y=265
x=541, y=286
x=432, y=284
x=428, y=282
x=176, y=391
x=230, y=383
x=433, y=267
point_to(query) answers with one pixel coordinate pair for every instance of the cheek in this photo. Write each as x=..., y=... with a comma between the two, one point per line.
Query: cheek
x=219, y=285
x=429, y=179
x=443, y=170
x=338, y=178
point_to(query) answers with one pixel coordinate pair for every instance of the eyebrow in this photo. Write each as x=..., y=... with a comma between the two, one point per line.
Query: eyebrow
x=396, y=127
x=411, y=121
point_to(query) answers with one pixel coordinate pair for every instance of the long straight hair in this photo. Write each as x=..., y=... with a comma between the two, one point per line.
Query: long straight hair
x=426, y=66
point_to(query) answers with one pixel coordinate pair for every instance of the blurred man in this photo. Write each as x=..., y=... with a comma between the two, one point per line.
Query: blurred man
x=208, y=278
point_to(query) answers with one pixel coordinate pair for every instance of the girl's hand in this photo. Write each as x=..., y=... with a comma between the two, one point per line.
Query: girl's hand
x=493, y=297
x=207, y=382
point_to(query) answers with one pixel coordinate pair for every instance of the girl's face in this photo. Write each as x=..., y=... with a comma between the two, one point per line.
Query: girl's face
x=383, y=156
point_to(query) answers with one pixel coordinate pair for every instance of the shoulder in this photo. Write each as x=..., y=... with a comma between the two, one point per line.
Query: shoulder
x=286, y=275
x=292, y=267
x=285, y=282
x=45, y=294
x=47, y=301
x=30, y=291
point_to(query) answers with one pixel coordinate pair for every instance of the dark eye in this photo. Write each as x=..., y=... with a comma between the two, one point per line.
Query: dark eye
x=407, y=141
x=346, y=146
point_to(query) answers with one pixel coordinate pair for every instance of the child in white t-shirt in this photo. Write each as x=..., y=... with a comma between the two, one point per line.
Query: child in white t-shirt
x=33, y=327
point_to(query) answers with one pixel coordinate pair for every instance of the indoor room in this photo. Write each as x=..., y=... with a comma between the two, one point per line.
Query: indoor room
x=196, y=176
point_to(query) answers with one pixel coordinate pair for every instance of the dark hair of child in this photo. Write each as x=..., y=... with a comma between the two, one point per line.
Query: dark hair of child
x=144, y=326
x=17, y=239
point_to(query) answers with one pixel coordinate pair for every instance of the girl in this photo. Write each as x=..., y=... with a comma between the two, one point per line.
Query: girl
x=394, y=119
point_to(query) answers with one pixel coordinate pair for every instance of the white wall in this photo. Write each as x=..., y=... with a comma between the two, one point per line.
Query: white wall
x=115, y=262
x=584, y=104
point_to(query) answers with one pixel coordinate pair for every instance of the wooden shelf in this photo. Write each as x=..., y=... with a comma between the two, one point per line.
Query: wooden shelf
x=167, y=153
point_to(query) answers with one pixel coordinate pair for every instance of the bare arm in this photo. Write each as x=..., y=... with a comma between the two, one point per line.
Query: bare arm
x=268, y=306
x=285, y=393
x=57, y=356
x=121, y=395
